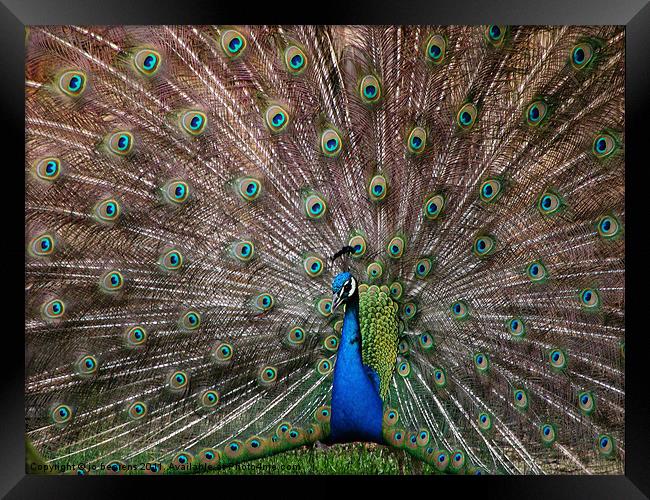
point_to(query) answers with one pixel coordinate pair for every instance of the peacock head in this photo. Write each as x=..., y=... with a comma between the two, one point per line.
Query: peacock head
x=344, y=288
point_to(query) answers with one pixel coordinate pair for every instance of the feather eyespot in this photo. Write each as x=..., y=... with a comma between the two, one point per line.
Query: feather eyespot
x=233, y=43
x=459, y=310
x=112, y=281
x=409, y=310
x=249, y=188
x=313, y=266
x=606, y=445
x=590, y=298
x=234, y=449
x=268, y=375
x=378, y=188
x=391, y=417
x=107, y=210
x=194, y=122
x=176, y=192
x=403, y=368
x=172, y=260
x=491, y=190
x=255, y=445
x=296, y=335
x=482, y=362
x=331, y=343
x=48, y=169
x=436, y=49
x=120, y=143
x=457, y=461
x=427, y=342
x=520, y=399
x=178, y=380
x=374, y=270
x=137, y=410
x=182, y=459
x=323, y=414
x=433, y=206
x=548, y=434
x=557, y=359
x=72, y=83
x=330, y=143
x=549, y=203
x=264, y=302
x=608, y=227
x=423, y=267
x=243, y=250
x=581, y=55
x=370, y=89
x=324, y=307
x=441, y=460
x=324, y=366
x=116, y=467
x=222, y=353
x=295, y=59
x=485, y=421
x=396, y=290
x=209, y=456
x=53, y=309
x=536, y=112
x=41, y=246
x=586, y=402
x=496, y=34
x=136, y=336
x=315, y=206
x=483, y=245
x=439, y=378
x=466, y=116
x=61, y=414
x=147, y=61
x=396, y=247
x=417, y=140
x=276, y=118
x=87, y=365
x=516, y=327
x=536, y=272
x=358, y=244
x=191, y=320
x=604, y=145
x=209, y=398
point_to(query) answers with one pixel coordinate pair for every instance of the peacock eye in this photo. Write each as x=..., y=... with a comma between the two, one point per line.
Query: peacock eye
x=589, y=298
x=147, y=61
x=536, y=271
x=268, y=375
x=178, y=380
x=482, y=362
x=295, y=59
x=137, y=410
x=581, y=55
x=296, y=336
x=608, y=227
x=409, y=309
x=313, y=266
x=194, y=122
x=324, y=307
x=171, y=260
x=536, y=112
x=120, y=143
x=442, y=460
x=396, y=247
x=547, y=434
x=396, y=290
x=485, y=421
x=330, y=143
x=249, y=188
x=457, y=460
x=491, y=190
x=436, y=49
x=331, y=343
x=182, y=458
x=61, y=414
x=47, y=169
x=466, y=116
x=53, y=309
x=516, y=327
x=404, y=369
x=209, y=456
x=86, y=365
x=557, y=359
x=417, y=140
x=549, y=203
x=423, y=267
x=72, y=83
x=604, y=145
x=390, y=417
x=370, y=89
x=606, y=445
x=136, y=336
x=323, y=366
x=176, y=192
x=41, y=246
x=483, y=245
x=276, y=118
x=315, y=206
x=374, y=270
x=439, y=378
x=586, y=402
x=107, y=210
x=222, y=352
x=426, y=341
x=358, y=243
x=233, y=43
x=521, y=399
x=433, y=206
x=264, y=302
x=191, y=320
x=378, y=188
x=112, y=281
x=495, y=34
x=459, y=310
x=209, y=398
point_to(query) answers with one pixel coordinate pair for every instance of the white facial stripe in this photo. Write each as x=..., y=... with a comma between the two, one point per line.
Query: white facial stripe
x=353, y=286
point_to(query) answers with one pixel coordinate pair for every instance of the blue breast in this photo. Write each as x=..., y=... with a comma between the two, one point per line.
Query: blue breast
x=357, y=408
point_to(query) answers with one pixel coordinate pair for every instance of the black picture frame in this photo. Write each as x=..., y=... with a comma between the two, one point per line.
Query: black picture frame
x=634, y=14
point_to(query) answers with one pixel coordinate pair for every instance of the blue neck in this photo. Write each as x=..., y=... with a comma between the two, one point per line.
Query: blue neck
x=357, y=408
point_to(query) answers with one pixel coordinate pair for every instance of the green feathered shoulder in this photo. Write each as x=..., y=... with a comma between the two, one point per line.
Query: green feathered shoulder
x=379, y=332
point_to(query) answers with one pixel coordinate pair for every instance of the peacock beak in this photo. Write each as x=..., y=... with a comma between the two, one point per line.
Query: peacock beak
x=337, y=299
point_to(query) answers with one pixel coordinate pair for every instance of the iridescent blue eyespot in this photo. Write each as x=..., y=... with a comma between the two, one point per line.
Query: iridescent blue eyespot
x=536, y=112
x=433, y=206
x=295, y=59
x=147, y=61
x=194, y=122
x=47, y=169
x=233, y=43
x=581, y=55
x=370, y=89
x=72, y=83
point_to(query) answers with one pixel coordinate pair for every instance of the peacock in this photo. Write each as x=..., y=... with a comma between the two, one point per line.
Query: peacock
x=242, y=240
